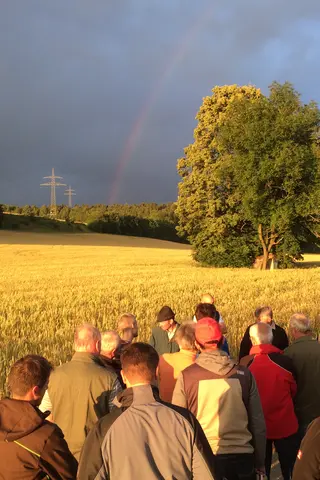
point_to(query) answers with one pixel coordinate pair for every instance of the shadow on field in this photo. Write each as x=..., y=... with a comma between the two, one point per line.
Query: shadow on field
x=309, y=261
x=85, y=239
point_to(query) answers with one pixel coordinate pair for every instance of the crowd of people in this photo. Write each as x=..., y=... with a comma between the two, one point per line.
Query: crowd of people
x=178, y=407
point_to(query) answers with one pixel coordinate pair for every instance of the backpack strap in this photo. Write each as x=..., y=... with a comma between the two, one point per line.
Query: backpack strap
x=30, y=451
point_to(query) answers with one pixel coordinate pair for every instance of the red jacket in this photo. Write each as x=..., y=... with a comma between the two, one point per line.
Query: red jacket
x=274, y=374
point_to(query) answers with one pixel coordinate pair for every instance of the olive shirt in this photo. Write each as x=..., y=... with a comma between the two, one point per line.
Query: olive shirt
x=305, y=355
x=161, y=342
x=81, y=392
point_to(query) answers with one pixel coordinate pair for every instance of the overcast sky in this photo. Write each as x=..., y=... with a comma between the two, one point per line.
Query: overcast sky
x=106, y=91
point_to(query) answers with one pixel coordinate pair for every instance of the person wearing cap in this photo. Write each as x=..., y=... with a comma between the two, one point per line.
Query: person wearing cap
x=162, y=336
x=224, y=398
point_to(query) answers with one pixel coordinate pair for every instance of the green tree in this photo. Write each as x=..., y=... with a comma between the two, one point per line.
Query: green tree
x=260, y=181
x=208, y=208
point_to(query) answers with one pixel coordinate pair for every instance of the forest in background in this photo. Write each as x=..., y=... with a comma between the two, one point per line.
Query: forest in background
x=140, y=220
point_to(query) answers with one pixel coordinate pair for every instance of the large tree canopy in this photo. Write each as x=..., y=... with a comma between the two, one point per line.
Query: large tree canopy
x=250, y=181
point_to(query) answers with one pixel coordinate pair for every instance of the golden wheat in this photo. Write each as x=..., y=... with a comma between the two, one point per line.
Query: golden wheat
x=51, y=283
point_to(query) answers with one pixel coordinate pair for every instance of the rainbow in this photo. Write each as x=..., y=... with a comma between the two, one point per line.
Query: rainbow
x=138, y=126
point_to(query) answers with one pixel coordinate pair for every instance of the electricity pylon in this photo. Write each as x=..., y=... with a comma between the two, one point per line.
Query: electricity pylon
x=69, y=191
x=53, y=184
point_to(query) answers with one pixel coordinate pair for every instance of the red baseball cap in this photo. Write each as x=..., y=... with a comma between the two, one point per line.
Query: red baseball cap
x=208, y=330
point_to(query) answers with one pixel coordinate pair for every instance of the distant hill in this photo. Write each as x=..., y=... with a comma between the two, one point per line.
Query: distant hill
x=40, y=224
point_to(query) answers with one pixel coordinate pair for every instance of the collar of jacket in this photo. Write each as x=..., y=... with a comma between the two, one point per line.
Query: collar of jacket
x=187, y=353
x=305, y=338
x=85, y=357
x=139, y=395
x=216, y=361
x=264, y=349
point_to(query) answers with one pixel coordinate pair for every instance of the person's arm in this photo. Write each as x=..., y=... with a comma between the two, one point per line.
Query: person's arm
x=256, y=425
x=307, y=466
x=203, y=459
x=179, y=395
x=116, y=389
x=245, y=344
x=91, y=459
x=56, y=460
x=222, y=325
x=284, y=340
x=152, y=340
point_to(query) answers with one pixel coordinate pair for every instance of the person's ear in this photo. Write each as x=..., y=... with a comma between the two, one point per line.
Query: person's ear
x=157, y=373
x=113, y=353
x=35, y=392
x=98, y=346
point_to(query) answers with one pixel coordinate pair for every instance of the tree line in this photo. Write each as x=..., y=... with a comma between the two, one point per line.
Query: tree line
x=143, y=220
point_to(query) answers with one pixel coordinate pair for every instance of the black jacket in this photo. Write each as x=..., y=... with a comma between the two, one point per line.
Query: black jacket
x=280, y=340
x=146, y=438
x=307, y=466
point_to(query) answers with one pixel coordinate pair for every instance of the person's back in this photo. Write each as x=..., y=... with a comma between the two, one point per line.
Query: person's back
x=171, y=364
x=224, y=398
x=81, y=391
x=145, y=438
x=274, y=374
x=305, y=355
x=31, y=448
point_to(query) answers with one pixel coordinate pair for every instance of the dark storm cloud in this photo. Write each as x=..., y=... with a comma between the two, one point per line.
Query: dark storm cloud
x=75, y=77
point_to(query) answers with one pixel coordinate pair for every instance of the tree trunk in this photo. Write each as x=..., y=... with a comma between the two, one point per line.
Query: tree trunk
x=265, y=249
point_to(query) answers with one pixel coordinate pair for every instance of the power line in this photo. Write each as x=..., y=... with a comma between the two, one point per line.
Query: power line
x=69, y=191
x=53, y=184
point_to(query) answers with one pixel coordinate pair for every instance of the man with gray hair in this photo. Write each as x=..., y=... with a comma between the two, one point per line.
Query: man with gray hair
x=171, y=364
x=305, y=355
x=128, y=327
x=82, y=390
x=275, y=378
x=110, y=342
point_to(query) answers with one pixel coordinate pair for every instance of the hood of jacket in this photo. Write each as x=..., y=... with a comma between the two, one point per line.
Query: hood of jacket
x=18, y=418
x=216, y=361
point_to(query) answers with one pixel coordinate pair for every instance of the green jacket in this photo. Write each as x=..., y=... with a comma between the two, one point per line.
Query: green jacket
x=305, y=355
x=80, y=392
x=159, y=340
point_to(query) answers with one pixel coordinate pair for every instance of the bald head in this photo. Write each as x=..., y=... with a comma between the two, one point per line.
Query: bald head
x=261, y=334
x=110, y=341
x=87, y=338
x=207, y=298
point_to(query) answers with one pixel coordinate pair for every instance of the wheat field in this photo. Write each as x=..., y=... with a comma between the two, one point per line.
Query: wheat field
x=50, y=283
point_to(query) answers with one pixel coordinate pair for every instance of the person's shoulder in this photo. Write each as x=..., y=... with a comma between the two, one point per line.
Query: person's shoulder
x=280, y=329
x=103, y=425
x=156, y=330
x=282, y=361
x=248, y=328
x=179, y=411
